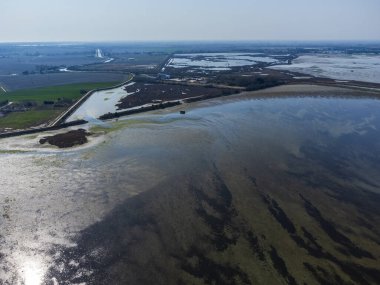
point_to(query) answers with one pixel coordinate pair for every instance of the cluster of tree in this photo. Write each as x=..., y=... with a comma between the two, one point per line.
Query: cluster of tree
x=250, y=83
x=233, y=80
x=42, y=69
x=264, y=82
x=61, y=102
x=145, y=79
x=29, y=104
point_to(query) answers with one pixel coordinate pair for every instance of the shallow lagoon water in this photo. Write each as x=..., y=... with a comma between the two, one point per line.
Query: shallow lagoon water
x=218, y=61
x=337, y=66
x=48, y=199
x=100, y=103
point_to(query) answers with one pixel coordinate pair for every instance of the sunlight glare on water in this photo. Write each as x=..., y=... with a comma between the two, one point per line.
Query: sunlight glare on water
x=32, y=272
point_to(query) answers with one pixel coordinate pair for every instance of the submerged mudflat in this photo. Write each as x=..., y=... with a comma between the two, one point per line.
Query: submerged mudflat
x=240, y=190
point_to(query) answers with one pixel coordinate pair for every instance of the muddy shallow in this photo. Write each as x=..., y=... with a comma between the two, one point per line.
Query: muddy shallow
x=228, y=193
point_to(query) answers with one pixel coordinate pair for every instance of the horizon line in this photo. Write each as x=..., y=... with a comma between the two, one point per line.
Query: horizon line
x=196, y=41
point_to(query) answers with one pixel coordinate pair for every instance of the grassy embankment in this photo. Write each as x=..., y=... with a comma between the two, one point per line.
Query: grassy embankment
x=39, y=112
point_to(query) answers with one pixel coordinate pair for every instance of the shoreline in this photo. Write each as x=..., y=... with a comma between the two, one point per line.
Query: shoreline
x=304, y=89
x=313, y=90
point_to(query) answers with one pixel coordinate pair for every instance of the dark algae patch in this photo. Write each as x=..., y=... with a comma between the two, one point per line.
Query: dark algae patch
x=324, y=277
x=279, y=215
x=200, y=232
x=69, y=139
x=256, y=248
x=280, y=265
x=212, y=272
x=333, y=233
x=203, y=235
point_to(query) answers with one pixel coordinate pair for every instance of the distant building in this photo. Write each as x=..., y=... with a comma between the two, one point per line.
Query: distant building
x=98, y=53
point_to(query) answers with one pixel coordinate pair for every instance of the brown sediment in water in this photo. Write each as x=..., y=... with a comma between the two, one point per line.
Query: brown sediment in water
x=69, y=139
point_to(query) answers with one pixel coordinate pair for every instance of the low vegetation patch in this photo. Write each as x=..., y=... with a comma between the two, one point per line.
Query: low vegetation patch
x=55, y=93
x=69, y=139
x=21, y=120
x=251, y=82
x=146, y=93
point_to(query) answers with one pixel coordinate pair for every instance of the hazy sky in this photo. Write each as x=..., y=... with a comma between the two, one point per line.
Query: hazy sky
x=127, y=20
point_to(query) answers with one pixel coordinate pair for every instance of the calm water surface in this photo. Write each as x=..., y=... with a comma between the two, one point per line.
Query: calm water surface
x=48, y=197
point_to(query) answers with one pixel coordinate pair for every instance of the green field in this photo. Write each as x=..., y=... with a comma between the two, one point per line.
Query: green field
x=20, y=120
x=41, y=113
x=71, y=91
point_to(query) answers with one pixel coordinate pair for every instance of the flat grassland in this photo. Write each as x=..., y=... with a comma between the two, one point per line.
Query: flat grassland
x=41, y=113
x=38, y=95
x=133, y=62
x=21, y=120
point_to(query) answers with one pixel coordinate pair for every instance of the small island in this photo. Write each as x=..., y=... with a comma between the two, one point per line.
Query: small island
x=67, y=140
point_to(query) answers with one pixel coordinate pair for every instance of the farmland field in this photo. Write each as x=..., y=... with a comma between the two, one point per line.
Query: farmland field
x=13, y=83
x=20, y=120
x=70, y=91
x=128, y=62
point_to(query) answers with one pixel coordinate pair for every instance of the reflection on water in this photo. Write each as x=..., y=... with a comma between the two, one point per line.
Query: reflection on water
x=32, y=272
x=47, y=199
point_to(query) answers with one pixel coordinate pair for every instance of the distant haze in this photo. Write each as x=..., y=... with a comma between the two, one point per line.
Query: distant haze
x=162, y=20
